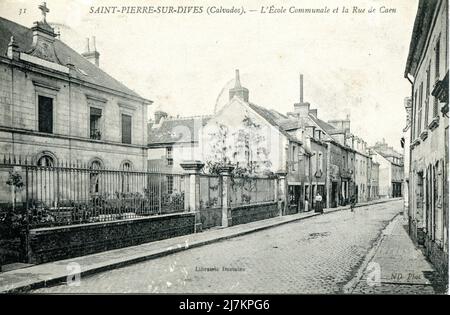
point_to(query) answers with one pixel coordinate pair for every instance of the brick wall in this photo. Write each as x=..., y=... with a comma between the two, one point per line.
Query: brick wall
x=50, y=244
x=249, y=213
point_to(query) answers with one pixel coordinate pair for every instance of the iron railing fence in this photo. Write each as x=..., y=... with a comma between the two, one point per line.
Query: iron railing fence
x=250, y=190
x=73, y=193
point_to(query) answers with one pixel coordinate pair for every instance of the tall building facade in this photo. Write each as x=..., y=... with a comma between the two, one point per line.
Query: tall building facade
x=57, y=105
x=427, y=71
x=405, y=143
x=391, y=173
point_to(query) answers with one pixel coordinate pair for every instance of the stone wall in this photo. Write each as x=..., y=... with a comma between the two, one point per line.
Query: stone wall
x=211, y=217
x=255, y=212
x=50, y=244
x=436, y=255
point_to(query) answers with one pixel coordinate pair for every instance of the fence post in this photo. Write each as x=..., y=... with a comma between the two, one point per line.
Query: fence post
x=282, y=192
x=225, y=173
x=192, y=195
x=275, y=189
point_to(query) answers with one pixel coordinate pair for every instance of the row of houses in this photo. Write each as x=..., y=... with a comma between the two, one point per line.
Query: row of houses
x=87, y=153
x=426, y=132
x=315, y=156
x=58, y=105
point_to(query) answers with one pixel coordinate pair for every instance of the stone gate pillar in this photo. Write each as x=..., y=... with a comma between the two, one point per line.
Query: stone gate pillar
x=282, y=192
x=192, y=191
x=225, y=174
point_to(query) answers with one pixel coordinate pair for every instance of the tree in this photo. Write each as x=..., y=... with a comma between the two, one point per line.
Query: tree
x=16, y=182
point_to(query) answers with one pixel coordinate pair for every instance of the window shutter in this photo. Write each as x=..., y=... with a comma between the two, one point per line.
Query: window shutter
x=126, y=129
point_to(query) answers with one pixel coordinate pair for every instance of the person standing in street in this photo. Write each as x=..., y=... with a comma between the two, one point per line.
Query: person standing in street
x=352, y=203
x=318, y=202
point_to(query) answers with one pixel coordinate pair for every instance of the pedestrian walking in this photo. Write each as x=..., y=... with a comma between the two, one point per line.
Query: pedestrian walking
x=318, y=202
x=352, y=203
x=306, y=204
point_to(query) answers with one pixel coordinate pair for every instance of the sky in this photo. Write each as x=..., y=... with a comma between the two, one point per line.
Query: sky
x=352, y=63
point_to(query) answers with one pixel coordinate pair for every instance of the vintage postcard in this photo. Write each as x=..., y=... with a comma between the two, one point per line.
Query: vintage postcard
x=206, y=146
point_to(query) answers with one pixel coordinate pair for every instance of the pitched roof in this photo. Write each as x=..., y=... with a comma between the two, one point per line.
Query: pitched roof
x=322, y=124
x=274, y=118
x=23, y=36
x=422, y=23
x=290, y=124
x=171, y=130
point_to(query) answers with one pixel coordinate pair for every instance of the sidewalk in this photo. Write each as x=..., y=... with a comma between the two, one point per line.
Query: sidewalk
x=55, y=272
x=403, y=269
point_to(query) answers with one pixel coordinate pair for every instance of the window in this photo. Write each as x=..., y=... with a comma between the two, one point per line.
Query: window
x=307, y=161
x=436, y=59
x=419, y=118
x=413, y=121
x=314, y=163
x=320, y=161
x=95, y=176
x=169, y=179
x=427, y=96
x=293, y=157
x=318, y=134
x=169, y=156
x=436, y=72
x=126, y=167
x=45, y=160
x=45, y=114
x=126, y=129
x=94, y=123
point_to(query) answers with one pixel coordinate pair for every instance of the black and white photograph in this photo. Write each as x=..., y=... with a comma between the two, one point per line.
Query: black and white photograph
x=214, y=147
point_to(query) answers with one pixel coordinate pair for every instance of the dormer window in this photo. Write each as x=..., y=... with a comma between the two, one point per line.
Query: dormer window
x=318, y=134
x=169, y=156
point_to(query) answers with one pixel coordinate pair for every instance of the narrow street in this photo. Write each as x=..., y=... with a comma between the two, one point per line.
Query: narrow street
x=318, y=255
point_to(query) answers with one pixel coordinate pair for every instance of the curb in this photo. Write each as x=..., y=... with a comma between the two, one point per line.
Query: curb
x=170, y=251
x=350, y=286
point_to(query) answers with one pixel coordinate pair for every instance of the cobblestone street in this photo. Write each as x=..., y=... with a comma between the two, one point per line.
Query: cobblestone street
x=317, y=255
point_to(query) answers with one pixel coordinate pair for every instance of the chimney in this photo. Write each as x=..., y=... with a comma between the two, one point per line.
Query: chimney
x=301, y=88
x=346, y=125
x=13, y=49
x=313, y=112
x=238, y=90
x=159, y=115
x=302, y=109
x=90, y=52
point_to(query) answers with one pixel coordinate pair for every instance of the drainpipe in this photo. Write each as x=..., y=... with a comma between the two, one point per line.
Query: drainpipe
x=327, y=176
x=411, y=178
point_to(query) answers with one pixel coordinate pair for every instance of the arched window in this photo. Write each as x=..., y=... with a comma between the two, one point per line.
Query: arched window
x=126, y=177
x=126, y=166
x=95, y=166
x=46, y=159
